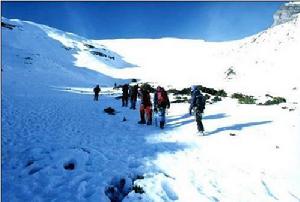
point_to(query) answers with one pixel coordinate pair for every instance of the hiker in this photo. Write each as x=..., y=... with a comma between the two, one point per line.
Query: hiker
x=161, y=102
x=133, y=93
x=125, y=95
x=146, y=107
x=96, y=90
x=198, y=105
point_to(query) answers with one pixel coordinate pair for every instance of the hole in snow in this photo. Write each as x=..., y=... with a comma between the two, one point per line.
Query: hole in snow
x=69, y=165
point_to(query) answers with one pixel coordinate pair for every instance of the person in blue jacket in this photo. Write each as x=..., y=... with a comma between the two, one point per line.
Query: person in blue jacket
x=161, y=102
x=198, y=105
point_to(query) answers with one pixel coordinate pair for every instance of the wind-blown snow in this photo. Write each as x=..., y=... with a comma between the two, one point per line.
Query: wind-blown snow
x=59, y=145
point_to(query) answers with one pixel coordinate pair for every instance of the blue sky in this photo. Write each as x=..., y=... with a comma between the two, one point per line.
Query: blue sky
x=211, y=21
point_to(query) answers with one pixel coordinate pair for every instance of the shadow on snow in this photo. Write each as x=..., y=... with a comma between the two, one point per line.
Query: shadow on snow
x=175, y=122
x=239, y=126
x=216, y=116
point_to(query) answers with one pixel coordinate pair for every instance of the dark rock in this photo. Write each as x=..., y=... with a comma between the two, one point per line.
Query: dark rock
x=110, y=111
x=8, y=26
x=89, y=45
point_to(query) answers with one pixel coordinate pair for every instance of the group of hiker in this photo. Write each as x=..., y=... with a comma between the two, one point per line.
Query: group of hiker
x=160, y=104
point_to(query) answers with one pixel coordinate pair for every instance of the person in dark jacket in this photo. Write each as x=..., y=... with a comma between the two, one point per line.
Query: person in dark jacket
x=96, y=90
x=161, y=102
x=133, y=94
x=198, y=105
x=146, y=107
x=125, y=95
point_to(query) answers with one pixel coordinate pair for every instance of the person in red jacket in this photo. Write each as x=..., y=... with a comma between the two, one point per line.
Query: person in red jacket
x=146, y=107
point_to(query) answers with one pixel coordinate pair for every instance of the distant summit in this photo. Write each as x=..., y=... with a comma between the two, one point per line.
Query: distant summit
x=286, y=13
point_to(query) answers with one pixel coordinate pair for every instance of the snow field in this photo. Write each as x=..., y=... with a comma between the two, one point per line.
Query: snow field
x=59, y=145
x=177, y=163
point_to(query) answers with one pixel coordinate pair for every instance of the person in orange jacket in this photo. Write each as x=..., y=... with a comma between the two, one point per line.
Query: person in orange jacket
x=145, y=107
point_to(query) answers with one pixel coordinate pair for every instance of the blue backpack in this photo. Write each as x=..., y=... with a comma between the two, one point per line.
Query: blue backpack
x=200, y=103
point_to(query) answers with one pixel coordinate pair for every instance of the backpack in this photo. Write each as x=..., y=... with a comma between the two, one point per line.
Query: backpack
x=161, y=98
x=97, y=90
x=146, y=99
x=200, y=103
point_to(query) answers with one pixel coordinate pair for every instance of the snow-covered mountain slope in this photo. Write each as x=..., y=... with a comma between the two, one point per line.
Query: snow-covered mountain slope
x=53, y=58
x=59, y=145
x=264, y=63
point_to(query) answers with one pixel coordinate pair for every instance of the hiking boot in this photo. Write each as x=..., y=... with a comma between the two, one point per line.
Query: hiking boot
x=162, y=124
x=201, y=132
x=149, y=122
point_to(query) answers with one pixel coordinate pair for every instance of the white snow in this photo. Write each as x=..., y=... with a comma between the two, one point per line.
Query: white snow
x=261, y=61
x=59, y=145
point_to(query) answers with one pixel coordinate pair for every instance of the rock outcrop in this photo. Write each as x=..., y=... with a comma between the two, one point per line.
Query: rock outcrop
x=286, y=13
